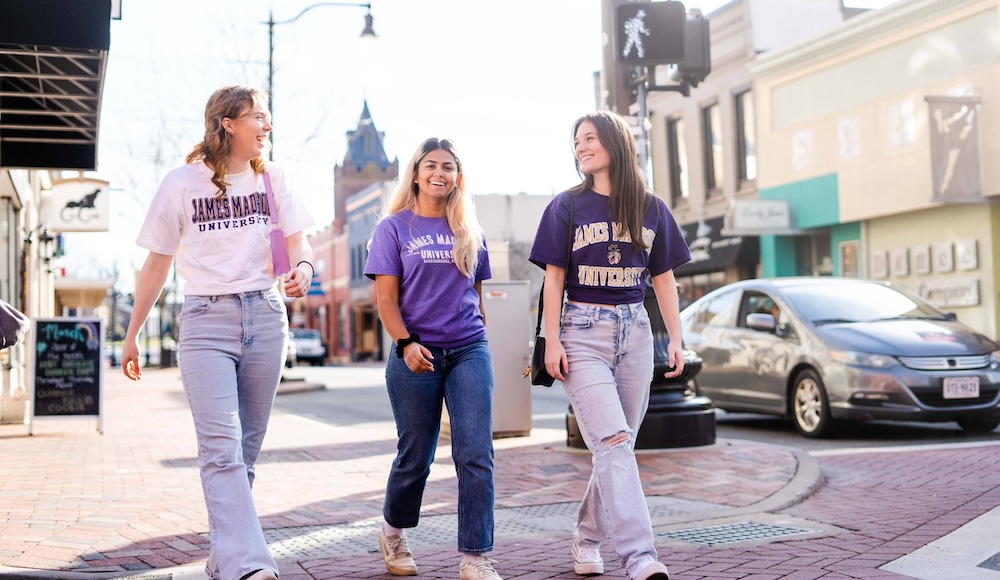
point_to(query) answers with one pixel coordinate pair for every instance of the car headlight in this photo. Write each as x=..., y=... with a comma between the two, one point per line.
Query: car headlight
x=863, y=359
x=995, y=357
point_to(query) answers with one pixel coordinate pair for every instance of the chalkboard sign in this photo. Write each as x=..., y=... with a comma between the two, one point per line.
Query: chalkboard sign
x=68, y=368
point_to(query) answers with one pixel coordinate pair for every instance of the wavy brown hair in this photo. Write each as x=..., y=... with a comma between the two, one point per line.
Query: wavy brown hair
x=215, y=149
x=628, y=196
x=459, y=210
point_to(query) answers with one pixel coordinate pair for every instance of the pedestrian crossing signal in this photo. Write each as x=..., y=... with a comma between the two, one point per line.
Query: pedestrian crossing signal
x=650, y=33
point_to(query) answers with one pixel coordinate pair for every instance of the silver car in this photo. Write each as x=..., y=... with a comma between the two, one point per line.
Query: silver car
x=821, y=350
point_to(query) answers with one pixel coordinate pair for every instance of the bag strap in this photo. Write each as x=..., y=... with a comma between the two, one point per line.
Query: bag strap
x=270, y=201
x=569, y=254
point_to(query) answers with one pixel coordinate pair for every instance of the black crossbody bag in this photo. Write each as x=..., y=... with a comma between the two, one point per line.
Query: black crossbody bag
x=539, y=376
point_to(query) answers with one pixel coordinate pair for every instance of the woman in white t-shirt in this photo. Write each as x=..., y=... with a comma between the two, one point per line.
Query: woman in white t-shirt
x=213, y=215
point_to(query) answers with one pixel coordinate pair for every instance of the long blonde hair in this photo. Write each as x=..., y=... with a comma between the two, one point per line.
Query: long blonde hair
x=459, y=211
x=216, y=147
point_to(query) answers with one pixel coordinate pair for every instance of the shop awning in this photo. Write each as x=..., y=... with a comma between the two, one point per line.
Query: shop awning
x=711, y=251
x=81, y=293
x=53, y=56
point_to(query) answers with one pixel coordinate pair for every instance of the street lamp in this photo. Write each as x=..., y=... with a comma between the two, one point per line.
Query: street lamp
x=368, y=32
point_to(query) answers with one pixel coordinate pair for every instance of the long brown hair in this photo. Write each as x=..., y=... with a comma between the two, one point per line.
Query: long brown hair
x=628, y=196
x=216, y=147
x=459, y=210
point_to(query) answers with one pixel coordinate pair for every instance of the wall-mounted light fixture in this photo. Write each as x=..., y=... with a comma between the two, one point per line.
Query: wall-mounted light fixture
x=45, y=239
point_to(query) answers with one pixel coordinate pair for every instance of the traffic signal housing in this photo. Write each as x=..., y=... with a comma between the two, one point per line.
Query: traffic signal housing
x=697, y=61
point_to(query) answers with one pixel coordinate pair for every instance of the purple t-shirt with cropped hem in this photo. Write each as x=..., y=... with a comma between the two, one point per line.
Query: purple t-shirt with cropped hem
x=436, y=300
x=605, y=269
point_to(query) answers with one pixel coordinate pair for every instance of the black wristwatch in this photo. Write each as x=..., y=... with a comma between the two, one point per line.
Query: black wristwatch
x=401, y=343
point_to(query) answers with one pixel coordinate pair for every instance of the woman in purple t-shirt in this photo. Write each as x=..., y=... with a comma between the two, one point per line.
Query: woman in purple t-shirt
x=428, y=258
x=602, y=348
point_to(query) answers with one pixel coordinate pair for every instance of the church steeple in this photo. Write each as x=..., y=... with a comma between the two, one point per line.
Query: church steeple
x=365, y=144
x=364, y=164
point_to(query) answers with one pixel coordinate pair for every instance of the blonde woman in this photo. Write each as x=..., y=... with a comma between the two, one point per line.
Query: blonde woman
x=213, y=215
x=428, y=259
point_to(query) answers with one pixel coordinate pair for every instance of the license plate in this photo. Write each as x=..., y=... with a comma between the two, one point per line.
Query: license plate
x=961, y=388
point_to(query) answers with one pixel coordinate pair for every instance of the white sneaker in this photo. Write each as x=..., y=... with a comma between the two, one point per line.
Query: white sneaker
x=397, y=555
x=479, y=569
x=652, y=571
x=587, y=559
x=262, y=575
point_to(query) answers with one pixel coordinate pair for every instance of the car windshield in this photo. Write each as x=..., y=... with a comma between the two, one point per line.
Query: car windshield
x=304, y=333
x=824, y=303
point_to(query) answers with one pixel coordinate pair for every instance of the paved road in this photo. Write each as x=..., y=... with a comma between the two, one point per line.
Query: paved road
x=364, y=400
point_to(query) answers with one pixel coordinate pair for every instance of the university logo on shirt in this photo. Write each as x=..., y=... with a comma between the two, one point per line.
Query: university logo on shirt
x=614, y=254
x=420, y=246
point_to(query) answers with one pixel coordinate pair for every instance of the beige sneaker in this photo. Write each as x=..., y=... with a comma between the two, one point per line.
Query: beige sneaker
x=397, y=556
x=587, y=559
x=478, y=569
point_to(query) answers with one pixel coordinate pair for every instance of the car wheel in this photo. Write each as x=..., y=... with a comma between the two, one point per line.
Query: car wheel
x=810, y=408
x=978, y=424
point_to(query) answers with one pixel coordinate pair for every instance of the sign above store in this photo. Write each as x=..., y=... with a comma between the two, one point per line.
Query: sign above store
x=759, y=217
x=78, y=205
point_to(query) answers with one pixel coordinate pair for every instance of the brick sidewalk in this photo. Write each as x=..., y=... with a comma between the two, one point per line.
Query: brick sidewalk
x=130, y=500
x=128, y=503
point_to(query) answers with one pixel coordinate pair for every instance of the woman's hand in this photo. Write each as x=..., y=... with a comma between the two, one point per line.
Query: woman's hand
x=676, y=355
x=555, y=359
x=418, y=358
x=130, y=360
x=297, y=282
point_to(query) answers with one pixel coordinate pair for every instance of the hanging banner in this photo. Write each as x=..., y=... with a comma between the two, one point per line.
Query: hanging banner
x=954, y=133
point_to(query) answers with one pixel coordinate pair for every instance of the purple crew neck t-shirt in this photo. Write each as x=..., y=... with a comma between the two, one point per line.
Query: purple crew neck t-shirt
x=605, y=269
x=436, y=300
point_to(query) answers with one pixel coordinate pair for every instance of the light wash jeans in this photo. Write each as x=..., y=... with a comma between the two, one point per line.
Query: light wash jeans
x=610, y=354
x=231, y=352
x=463, y=380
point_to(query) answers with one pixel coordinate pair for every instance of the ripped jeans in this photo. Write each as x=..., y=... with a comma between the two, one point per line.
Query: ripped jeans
x=610, y=354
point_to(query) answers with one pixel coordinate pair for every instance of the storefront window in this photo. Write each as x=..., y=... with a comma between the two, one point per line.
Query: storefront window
x=677, y=160
x=849, y=259
x=746, y=136
x=712, y=121
x=691, y=288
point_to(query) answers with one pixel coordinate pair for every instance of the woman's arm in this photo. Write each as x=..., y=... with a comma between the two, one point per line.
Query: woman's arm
x=665, y=288
x=482, y=306
x=148, y=286
x=552, y=298
x=415, y=355
x=298, y=279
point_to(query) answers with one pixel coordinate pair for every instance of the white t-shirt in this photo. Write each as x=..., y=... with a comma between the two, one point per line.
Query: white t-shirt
x=222, y=245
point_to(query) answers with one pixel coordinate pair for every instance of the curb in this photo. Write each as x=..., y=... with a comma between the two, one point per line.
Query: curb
x=175, y=573
x=292, y=386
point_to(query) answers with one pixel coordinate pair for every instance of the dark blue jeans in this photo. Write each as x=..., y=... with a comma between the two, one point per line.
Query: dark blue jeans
x=463, y=380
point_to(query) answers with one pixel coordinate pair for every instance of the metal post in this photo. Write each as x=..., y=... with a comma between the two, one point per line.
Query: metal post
x=643, y=145
x=367, y=32
x=112, y=320
x=270, y=75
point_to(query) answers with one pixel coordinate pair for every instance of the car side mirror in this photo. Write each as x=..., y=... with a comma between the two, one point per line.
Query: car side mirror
x=762, y=322
x=951, y=316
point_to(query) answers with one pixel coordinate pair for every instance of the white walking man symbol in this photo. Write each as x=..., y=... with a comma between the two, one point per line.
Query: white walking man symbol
x=634, y=27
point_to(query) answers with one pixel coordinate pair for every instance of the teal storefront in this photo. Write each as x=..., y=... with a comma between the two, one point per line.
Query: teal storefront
x=822, y=246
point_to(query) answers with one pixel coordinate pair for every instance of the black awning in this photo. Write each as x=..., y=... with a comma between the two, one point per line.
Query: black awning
x=711, y=251
x=53, y=56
